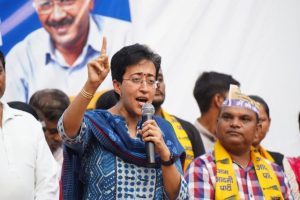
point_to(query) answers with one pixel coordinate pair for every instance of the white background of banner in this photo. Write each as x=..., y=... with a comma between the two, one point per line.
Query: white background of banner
x=256, y=41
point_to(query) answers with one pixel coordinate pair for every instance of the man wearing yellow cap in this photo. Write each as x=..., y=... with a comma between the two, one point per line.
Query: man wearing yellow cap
x=234, y=169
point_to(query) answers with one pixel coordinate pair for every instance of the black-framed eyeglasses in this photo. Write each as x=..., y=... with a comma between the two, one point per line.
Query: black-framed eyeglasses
x=138, y=79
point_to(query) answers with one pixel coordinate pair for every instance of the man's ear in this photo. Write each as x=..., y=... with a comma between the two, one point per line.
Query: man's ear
x=117, y=87
x=218, y=100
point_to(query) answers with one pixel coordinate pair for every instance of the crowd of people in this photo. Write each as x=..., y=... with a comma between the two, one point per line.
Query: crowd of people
x=60, y=138
x=100, y=153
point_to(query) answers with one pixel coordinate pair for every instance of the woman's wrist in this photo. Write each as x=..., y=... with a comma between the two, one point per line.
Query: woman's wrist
x=86, y=94
x=165, y=156
x=168, y=162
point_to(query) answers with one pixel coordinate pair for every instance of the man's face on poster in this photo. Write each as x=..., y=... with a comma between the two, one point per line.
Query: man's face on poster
x=67, y=21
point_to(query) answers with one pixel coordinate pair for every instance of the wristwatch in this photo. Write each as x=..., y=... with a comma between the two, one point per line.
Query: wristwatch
x=169, y=162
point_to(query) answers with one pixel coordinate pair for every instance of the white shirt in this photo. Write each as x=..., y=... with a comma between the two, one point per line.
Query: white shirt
x=27, y=168
x=59, y=157
x=207, y=137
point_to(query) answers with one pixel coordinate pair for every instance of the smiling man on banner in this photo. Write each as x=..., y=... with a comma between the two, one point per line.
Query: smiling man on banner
x=56, y=55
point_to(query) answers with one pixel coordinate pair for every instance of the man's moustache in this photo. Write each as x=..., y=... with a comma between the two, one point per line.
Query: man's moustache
x=63, y=22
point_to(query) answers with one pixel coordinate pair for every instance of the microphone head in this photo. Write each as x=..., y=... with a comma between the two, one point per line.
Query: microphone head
x=147, y=109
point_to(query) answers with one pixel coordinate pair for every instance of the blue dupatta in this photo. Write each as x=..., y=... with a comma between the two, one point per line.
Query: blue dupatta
x=112, y=133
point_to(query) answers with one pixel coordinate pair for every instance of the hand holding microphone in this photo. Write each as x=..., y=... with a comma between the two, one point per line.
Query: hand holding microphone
x=152, y=135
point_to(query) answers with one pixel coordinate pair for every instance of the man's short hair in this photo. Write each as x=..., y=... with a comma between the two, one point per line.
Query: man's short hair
x=2, y=59
x=24, y=107
x=50, y=103
x=107, y=100
x=210, y=83
x=131, y=55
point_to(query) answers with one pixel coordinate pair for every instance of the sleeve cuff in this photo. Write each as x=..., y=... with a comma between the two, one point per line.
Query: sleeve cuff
x=67, y=139
x=183, y=191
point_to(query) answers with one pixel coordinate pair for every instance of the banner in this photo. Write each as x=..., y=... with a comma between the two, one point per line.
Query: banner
x=0, y=35
x=19, y=18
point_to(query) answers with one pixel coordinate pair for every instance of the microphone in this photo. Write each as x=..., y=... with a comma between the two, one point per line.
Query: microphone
x=147, y=114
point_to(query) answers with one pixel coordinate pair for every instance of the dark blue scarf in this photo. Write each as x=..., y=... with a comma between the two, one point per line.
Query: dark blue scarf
x=111, y=131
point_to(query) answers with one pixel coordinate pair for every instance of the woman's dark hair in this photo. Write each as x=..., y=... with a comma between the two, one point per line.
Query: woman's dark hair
x=262, y=103
x=131, y=55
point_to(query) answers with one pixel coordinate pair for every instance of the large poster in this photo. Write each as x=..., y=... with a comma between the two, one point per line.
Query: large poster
x=20, y=18
x=257, y=42
x=48, y=40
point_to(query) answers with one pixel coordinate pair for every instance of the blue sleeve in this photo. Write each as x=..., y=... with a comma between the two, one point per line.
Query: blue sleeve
x=80, y=142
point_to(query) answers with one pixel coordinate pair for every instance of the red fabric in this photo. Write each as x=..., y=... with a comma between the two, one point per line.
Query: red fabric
x=60, y=191
x=295, y=164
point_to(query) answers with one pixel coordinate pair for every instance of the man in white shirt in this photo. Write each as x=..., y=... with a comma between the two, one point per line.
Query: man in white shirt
x=27, y=167
x=210, y=91
x=56, y=55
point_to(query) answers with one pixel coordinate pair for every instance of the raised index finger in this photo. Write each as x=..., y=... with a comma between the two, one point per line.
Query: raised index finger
x=104, y=44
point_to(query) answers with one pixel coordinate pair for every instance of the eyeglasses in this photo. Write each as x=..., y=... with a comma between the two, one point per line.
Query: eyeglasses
x=139, y=80
x=46, y=6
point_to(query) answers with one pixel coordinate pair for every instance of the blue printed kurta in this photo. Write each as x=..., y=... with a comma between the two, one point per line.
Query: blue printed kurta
x=107, y=176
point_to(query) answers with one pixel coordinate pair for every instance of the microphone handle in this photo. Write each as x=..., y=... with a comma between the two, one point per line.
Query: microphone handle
x=149, y=145
x=150, y=152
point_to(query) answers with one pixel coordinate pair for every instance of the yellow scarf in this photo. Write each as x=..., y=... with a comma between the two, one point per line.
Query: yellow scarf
x=182, y=137
x=265, y=154
x=226, y=184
